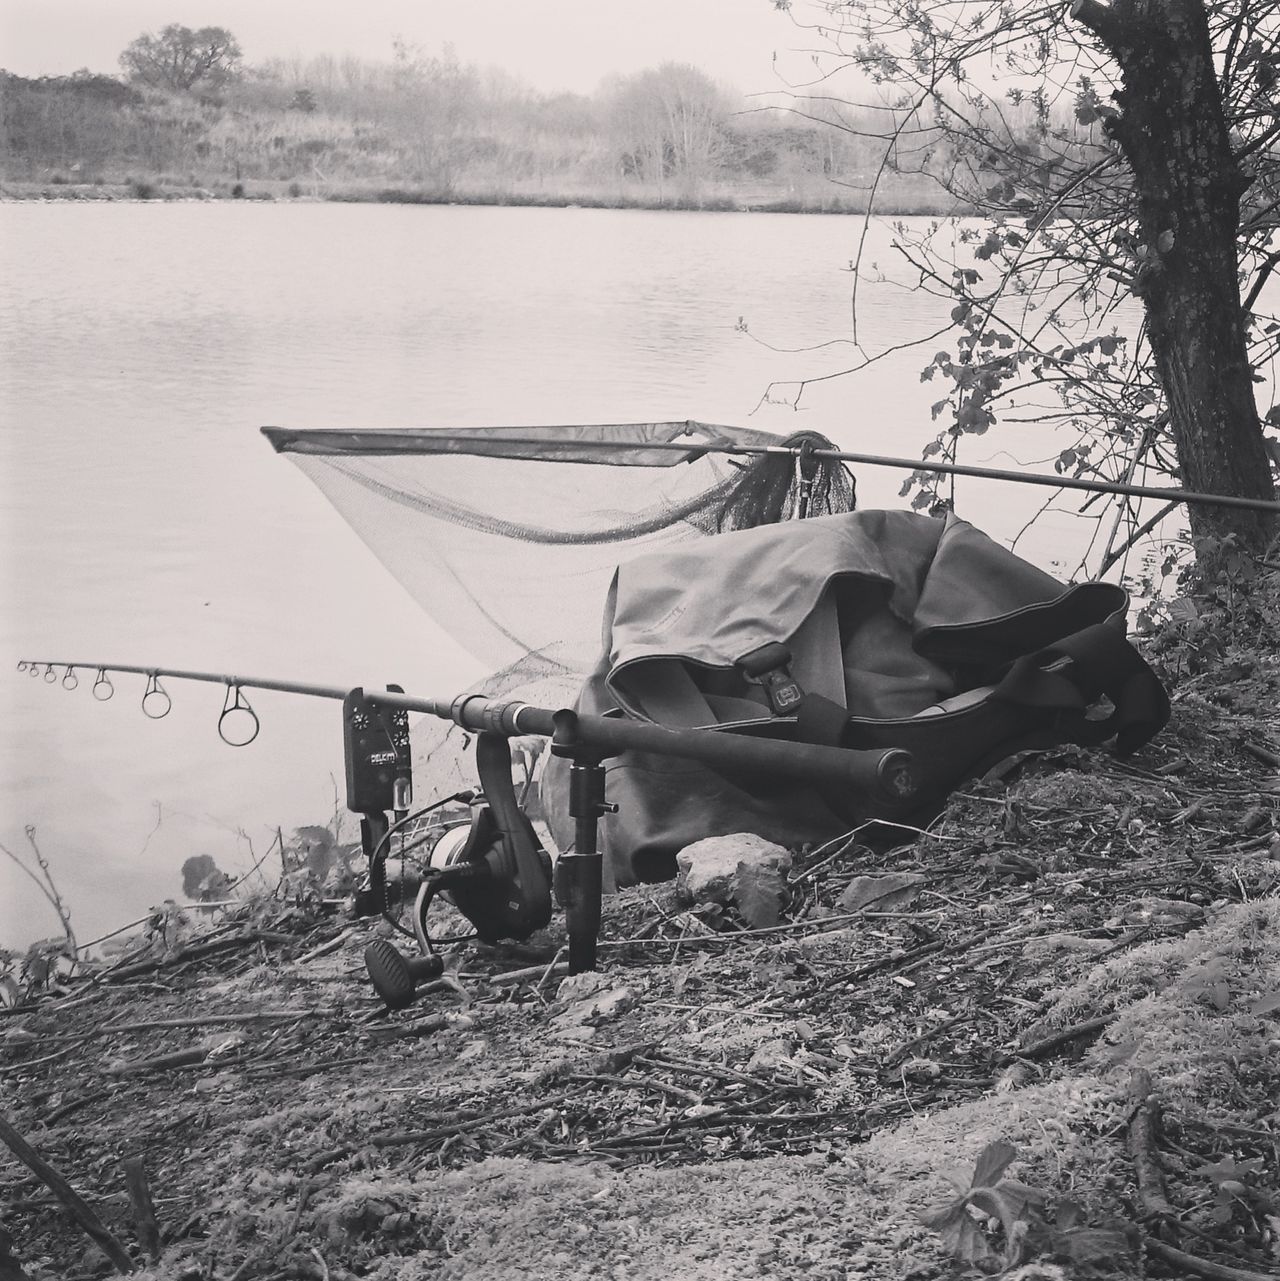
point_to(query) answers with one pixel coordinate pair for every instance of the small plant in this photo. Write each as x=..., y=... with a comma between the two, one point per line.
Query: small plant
x=991, y=1210
x=1238, y=1191
x=985, y=1198
x=142, y=190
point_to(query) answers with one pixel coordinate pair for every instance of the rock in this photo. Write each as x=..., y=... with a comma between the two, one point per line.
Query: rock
x=881, y=893
x=744, y=870
x=590, y=999
x=770, y=1055
x=1153, y=910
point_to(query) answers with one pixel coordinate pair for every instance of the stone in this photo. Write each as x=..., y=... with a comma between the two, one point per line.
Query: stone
x=886, y=893
x=742, y=870
x=590, y=999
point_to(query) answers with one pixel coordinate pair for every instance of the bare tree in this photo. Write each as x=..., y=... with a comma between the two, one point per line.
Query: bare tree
x=1110, y=150
x=669, y=125
x=433, y=107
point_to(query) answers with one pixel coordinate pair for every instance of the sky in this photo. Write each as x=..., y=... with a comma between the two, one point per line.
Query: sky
x=549, y=44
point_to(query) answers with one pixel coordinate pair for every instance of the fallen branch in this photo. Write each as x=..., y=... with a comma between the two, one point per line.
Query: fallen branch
x=325, y=948
x=144, y=1210
x=1144, y=1127
x=183, y=955
x=215, y=1020
x=905, y=956
x=707, y=1069
x=663, y=1128
x=648, y=1084
x=23, y=1065
x=1076, y=1032
x=74, y=1105
x=259, y=1071
x=1263, y=754
x=1203, y=1267
x=160, y=1062
x=530, y=972
x=420, y=1027
x=610, y=1061
x=406, y=1138
x=76, y=1206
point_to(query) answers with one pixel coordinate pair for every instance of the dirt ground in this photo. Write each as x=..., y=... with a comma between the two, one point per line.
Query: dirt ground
x=1054, y=1054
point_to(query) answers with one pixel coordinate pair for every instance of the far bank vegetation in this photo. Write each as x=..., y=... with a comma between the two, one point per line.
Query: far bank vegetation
x=431, y=129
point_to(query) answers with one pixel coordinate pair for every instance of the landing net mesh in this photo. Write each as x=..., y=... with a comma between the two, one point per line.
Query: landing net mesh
x=508, y=537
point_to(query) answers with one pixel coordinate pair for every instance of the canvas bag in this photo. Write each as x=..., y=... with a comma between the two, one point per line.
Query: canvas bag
x=898, y=630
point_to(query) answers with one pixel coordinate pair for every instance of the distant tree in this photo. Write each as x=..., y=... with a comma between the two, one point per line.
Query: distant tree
x=433, y=110
x=182, y=59
x=303, y=100
x=669, y=123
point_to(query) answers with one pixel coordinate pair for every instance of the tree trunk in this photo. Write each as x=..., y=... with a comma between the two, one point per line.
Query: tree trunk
x=1188, y=186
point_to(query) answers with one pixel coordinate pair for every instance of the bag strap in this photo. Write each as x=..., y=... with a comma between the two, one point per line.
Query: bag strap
x=1072, y=673
x=1068, y=677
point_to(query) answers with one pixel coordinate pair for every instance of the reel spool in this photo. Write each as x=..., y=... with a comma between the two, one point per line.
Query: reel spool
x=494, y=871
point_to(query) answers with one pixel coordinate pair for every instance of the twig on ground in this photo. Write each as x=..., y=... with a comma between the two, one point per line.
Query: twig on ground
x=74, y=1105
x=144, y=1210
x=420, y=1027
x=259, y=1071
x=705, y=1069
x=183, y=955
x=76, y=1206
x=406, y=1138
x=324, y=949
x=216, y=1020
x=647, y=1083
x=1144, y=1127
x=1263, y=754
x=1203, y=1267
x=610, y=1061
x=48, y=1058
x=160, y=1062
x=539, y=972
x=1076, y=1032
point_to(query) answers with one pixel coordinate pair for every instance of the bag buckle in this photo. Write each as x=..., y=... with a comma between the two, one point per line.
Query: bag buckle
x=769, y=667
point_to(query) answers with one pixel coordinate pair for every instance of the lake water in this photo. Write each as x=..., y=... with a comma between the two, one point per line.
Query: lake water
x=146, y=521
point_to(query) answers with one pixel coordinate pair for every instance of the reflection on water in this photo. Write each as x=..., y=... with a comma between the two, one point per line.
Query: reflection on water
x=146, y=521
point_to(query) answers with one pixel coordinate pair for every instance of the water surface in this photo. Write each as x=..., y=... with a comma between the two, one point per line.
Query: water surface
x=146, y=521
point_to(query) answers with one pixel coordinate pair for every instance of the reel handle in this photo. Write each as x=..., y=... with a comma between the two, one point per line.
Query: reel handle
x=395, y=977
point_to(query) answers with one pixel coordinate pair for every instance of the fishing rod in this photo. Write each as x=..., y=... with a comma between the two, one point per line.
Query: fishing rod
x=392, y=443
x=501, y=879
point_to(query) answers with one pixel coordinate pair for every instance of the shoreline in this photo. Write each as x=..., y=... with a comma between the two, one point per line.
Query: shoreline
x=152, y=191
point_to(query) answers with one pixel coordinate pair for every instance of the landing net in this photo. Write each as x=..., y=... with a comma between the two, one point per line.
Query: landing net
x=511, y=547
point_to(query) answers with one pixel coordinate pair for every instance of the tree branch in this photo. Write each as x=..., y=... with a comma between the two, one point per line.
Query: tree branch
x=1101, y=19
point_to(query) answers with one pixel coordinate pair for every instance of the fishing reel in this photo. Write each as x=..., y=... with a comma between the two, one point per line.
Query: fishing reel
x=493, y=870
